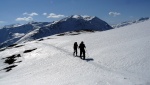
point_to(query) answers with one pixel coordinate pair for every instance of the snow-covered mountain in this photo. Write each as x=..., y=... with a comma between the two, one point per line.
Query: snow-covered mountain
x=113, y=57
x=130, y=22
x=11, y=33
x=71, y=23
x=35, y=30
x=12, y=25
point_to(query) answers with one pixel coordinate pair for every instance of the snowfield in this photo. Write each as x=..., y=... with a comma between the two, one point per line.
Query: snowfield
x=114, y=57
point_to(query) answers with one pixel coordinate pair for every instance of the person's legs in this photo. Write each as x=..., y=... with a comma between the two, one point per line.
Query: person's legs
x=83, y=55
x=76, y=52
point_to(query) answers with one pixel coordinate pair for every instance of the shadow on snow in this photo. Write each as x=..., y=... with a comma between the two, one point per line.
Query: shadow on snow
x=86, y=59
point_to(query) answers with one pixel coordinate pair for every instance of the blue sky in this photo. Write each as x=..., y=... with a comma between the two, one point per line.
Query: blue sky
x=111, y=11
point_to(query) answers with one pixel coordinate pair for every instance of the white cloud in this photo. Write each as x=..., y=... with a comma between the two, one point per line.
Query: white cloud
x=114, y=14
x=28, y=18
x=45, y=14
x=30, y=14
x=25, y=13
x=33, y=14
x=53, y=15
x=2, y=22
x=24, y=19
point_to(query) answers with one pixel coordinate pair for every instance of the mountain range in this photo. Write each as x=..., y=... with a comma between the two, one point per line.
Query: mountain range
x=34, y=30
x=18, y=33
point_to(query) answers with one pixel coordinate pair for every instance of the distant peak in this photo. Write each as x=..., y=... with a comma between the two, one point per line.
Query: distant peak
x=126, y=23
x=76, y=16
x=143, y=19
x=85, y=17
x=12, y=25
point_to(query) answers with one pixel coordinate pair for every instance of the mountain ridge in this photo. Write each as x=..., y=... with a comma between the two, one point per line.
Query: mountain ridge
x=36, y=30
x=17, y=33
x=126, y=23
x=72, y=23
x=11, y=33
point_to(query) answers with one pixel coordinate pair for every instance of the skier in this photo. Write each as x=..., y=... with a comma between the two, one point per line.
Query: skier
x=75, y=49
x=82, y=50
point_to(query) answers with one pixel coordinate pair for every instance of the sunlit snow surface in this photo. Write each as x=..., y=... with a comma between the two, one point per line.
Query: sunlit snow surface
x=114, y=57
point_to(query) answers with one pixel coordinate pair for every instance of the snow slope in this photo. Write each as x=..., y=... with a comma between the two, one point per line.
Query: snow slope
x=114, y=57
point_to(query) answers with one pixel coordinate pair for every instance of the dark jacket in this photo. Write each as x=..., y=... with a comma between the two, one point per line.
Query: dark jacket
x=75, y=46
x=82, y=46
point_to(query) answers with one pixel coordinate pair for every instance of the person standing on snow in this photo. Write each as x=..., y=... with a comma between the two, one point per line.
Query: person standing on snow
x=82, y=50
x=75, y=49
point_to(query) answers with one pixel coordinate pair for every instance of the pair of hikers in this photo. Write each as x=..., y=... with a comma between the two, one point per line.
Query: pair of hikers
x=82, y=49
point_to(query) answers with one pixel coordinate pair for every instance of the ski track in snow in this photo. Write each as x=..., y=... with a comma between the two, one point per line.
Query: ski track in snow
x=96, y=65
x=88, y=62
x=60, y=49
